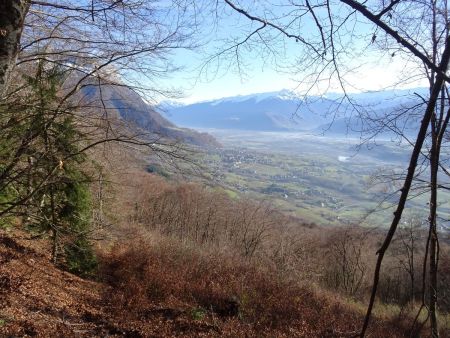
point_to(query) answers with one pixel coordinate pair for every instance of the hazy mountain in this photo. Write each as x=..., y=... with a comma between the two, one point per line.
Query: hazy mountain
x=284, y=111
x=275, y=111
x=385, y=114
x=124, y=103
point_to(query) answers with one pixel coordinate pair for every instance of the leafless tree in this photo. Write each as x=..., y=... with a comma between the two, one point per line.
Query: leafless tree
x=95, y=44
x=329, y=35
x=408, y=250
x=347, y=262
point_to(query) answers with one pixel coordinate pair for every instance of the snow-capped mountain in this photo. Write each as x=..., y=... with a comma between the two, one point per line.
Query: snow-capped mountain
x=286, y=111
x=258, y=97
x=266, y=111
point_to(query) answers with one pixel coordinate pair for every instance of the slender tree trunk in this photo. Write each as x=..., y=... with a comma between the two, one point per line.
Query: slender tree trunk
x=12, y=17
x=54, y=221
x=55, y=236
x=434, y=161
x=29, y=187
x=440, y=80
x=54, y=246
x=412, y=271
x=100, y=197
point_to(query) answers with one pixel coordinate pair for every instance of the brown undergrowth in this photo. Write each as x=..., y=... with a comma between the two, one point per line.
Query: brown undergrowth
x=234, y=296
x=156, y=288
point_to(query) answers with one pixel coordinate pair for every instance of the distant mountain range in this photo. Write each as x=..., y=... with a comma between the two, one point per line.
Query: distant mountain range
x=285, y=111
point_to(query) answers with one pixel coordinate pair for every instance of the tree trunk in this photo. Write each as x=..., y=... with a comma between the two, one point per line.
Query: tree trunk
x=12, y=17
x=434, y=161
x=440, y=80
x=54, y=246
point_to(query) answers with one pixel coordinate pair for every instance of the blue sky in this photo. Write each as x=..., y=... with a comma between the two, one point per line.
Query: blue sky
x=376, y=75
x=261, y=72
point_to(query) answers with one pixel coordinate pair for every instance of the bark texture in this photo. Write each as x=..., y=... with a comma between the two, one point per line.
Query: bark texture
x=12, y=16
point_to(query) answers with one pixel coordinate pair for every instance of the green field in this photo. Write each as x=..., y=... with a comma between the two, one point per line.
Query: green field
x=307, y=178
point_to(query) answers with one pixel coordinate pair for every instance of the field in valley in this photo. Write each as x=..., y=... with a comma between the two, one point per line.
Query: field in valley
x=323, y=180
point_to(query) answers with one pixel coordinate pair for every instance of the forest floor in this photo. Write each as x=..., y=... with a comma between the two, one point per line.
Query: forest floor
x=38, y=299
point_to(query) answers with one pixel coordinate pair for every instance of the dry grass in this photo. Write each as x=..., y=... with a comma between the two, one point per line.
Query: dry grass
x=227, y=293
x=156, y=287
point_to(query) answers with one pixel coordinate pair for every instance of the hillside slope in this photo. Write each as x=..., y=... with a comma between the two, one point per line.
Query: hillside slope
x=123, y=103
x=40, y=300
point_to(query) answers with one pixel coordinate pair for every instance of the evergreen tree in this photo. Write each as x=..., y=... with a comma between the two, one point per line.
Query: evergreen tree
x=51, y=188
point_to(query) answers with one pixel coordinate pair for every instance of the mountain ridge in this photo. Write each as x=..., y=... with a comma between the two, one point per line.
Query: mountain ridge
x=285, y=111
x=123, y=103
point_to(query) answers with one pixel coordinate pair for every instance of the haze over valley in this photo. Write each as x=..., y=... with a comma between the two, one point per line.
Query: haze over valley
x=313, y=158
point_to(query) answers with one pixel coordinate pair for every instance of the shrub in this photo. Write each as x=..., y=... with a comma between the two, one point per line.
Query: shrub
x=80, y=258
x=144, y=274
